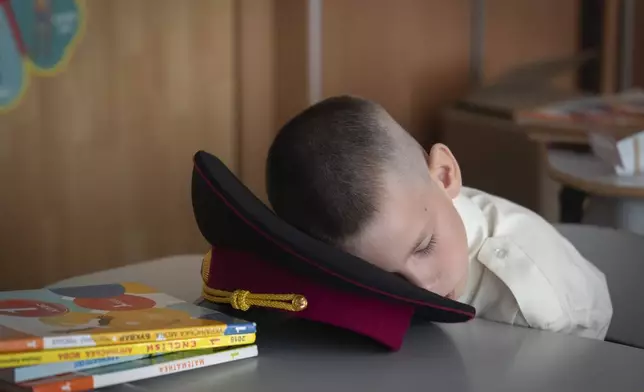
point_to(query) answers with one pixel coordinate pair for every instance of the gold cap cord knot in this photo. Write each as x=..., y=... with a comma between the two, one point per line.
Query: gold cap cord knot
x=238, y=300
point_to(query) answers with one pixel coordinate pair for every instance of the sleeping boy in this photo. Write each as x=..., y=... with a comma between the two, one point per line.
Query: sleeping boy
x=344, y=172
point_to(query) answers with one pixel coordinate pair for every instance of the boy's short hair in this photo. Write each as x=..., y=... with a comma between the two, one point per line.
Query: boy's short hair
x=325, y=168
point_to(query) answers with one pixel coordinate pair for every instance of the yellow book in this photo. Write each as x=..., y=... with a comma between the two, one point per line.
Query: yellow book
x=29, y=358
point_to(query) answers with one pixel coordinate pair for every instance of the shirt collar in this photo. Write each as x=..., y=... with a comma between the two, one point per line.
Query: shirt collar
x=476, y=226
x=477, y=230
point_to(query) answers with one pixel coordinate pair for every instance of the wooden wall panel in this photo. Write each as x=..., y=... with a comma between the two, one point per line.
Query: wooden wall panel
x=95, y=162
x=291, y=51
x=409, y=55
x=271, y=44
x=610, y=47
x=412, y=55
x=271, y=40
x=521, y=32
x=638, y=45
x=257, y=103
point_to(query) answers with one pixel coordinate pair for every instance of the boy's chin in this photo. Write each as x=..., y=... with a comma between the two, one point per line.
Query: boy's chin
x=451, y=295
x=458, y=291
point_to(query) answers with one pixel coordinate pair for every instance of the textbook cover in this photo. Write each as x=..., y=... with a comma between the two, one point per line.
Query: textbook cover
x=29, y=358
x=138, y=370
x=27, y=373
x=102, y=315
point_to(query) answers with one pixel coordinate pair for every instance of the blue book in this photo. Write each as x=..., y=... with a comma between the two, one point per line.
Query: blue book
x=28, y=373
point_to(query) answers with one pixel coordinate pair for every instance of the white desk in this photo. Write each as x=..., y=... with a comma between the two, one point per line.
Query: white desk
x=620, y=256
x=174, y=275
x=474, y=356
x=615, y=201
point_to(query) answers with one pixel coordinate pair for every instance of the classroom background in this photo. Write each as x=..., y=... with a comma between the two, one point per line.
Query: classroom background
x=96, y=157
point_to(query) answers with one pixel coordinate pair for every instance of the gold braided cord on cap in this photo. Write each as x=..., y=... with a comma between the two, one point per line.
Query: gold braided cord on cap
x=243, y=299
x=205, y=266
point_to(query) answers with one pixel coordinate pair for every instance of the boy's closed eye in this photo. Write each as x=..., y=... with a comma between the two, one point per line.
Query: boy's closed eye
x=426, y=250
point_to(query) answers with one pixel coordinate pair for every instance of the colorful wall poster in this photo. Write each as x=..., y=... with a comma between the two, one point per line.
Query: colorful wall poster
x=37, y=37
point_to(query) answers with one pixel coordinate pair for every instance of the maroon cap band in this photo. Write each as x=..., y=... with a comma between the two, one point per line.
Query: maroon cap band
x=382, y=320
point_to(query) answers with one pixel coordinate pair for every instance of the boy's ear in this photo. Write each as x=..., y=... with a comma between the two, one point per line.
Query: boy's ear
x=444, y=169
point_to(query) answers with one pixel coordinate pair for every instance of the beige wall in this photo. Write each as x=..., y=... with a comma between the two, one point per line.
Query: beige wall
x=95, y=162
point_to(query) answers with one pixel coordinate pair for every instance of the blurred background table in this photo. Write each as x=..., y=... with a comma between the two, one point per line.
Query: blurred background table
x=612, y=200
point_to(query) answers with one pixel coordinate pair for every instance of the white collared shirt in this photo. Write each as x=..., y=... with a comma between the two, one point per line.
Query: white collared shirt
x=523, y=272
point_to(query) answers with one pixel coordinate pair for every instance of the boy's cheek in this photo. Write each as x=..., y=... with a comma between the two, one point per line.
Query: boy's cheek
x=460, y=287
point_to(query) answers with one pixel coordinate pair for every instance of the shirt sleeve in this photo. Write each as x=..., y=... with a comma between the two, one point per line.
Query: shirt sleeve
x=554, y=286
x=589, y=302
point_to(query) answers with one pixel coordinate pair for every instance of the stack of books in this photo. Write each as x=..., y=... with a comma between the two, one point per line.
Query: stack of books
x=82, y=338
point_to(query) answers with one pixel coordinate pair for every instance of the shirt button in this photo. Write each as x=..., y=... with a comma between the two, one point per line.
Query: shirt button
x=500, y=253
